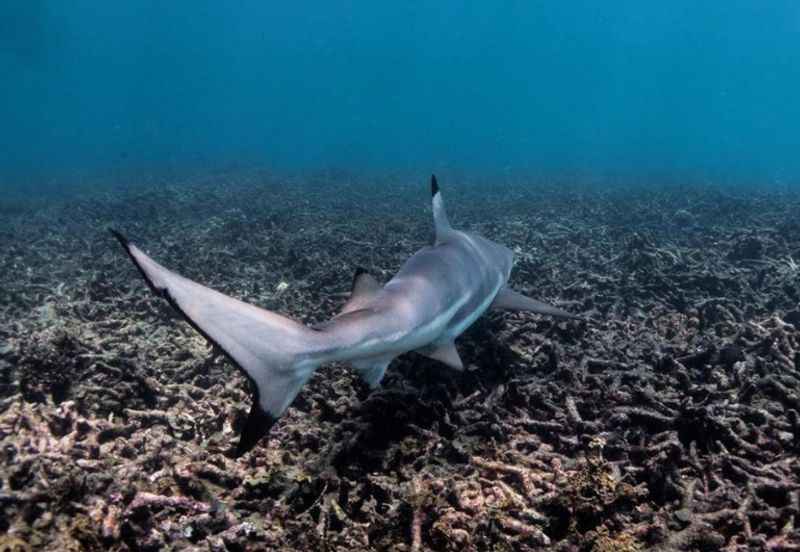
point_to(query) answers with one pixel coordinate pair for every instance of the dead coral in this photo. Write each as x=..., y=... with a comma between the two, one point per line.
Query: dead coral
x=668, y=423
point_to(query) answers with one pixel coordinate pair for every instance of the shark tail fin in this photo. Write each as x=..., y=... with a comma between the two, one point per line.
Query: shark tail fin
x=273, y=351
x=440, y=221
x=509, y=299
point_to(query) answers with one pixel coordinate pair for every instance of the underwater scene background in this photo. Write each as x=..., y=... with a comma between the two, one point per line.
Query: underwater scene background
x=641, y=160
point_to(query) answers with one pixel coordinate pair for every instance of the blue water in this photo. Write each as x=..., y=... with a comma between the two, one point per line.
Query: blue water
x=707, y=89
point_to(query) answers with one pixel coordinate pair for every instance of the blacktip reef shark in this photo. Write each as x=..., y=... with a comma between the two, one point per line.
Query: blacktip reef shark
x=436, y=295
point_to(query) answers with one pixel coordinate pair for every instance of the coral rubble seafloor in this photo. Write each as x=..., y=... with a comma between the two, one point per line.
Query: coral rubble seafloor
x=670, y=422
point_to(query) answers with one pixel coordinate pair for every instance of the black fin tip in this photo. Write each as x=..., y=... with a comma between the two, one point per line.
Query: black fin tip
x=434, y=185
x=257, y=425
x=258, y=422
x=360, y=271
x=122, y=239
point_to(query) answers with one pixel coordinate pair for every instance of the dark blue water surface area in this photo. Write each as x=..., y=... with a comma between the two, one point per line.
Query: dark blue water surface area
x=689, y=88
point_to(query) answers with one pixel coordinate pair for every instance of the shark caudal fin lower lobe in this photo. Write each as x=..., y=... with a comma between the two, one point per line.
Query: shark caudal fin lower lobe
x=273, y=351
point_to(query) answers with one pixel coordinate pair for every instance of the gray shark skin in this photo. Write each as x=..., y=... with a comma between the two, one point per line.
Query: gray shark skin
x=436, y=295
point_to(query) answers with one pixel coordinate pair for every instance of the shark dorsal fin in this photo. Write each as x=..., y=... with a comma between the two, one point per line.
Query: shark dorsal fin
x=364, y=282
x=440, y=221
x=364, y=288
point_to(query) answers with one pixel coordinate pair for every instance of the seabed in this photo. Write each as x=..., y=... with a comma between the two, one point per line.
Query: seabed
x=669, y=422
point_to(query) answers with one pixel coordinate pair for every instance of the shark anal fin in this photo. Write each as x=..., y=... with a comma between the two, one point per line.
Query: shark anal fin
x=364, y=288
x=372, y=369
x=447, y=354
x=509, y=299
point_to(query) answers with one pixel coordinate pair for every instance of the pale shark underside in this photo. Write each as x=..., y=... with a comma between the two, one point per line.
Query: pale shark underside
x=436, y=295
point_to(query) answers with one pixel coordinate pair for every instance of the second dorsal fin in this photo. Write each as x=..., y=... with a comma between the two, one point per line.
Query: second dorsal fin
x=364, y=288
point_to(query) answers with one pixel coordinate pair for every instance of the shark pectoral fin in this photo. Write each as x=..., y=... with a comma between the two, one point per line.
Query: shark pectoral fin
x=364, y=288
x=446, y=354
x=509, y=299
x=372, y=369
x=264, y=345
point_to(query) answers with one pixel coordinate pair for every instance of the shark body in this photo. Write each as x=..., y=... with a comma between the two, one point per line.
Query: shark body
x=436, y=295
